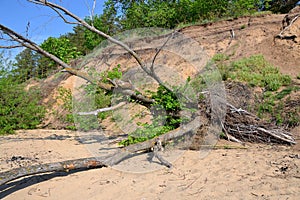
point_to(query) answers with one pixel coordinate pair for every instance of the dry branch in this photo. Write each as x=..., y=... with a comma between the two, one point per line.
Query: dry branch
x=64, y=166
x=289, y=24
x=10, y=46
x=62, y=12
x=33, y=46
x=242, y=126
x=109, y=160
x=95, y=112
x=156, y=149
x=127, y=151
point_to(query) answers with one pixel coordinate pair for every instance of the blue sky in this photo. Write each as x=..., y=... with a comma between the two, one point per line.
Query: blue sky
x=44, y=22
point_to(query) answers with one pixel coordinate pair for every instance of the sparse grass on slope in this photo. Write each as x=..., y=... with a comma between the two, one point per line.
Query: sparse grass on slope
x=275, y=103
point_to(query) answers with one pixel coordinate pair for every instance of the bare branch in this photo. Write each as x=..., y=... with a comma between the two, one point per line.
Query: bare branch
x=93, y=8
x=230, y=137
x=158, y=51
x=93, y=29
x=82, y=22
x=240, y=110
x=153, y=74
x=27, y=29
x=62, y=16
x=287, y=27
x=10, y=46
x=95, y=112
x=241, y=125
x=278, y=134
x=91, y=11
x=29, y=44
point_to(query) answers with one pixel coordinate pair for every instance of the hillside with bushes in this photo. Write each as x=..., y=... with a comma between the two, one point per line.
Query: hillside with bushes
x=255, y=59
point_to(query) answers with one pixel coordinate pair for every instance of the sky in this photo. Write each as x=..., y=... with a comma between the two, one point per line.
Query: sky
x=44, y=22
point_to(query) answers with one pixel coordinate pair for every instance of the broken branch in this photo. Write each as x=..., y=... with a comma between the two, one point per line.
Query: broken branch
x=95, y=112
x=286, y=28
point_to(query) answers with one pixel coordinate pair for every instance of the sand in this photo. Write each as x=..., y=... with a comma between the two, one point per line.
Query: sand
x=230, y=171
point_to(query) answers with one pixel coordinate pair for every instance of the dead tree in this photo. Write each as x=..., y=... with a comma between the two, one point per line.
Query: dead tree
x=155, y=143
x=109, y=160
x=123, y=153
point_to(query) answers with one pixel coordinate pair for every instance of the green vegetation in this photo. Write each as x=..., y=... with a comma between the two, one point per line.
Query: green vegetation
x=279, y=108
x=19, y=109
x=286, y=91
x=282, y=112
x=168, y=102
x=169, y=14
x=26, y=66
x=65, y=96
x=60, y=47
x=146, y=132
x=255, y=70
x=100, y=99
x=115, y=73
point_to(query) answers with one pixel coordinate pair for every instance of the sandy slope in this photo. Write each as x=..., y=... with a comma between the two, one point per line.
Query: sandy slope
x=257, y=172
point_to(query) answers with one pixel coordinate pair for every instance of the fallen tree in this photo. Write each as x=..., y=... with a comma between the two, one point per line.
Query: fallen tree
x=232, y=126
x=109, y=160
x=237, y=127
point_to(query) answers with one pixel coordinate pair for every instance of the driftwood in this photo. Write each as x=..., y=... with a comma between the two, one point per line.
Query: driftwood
x=108, y=160
x=64, y=166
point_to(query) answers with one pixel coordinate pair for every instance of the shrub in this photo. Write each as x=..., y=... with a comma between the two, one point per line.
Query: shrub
x=255, y=70
x=168, y=102
x=20, y=109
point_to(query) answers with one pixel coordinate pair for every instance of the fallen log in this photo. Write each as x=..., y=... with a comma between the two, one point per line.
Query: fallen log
x=63, y=166
x=105, y=161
